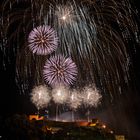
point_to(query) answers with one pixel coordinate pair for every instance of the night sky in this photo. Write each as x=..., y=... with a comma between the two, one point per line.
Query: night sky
x=126, y=109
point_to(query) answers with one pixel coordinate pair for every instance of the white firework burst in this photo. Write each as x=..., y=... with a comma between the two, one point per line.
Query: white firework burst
x=65, y=14
x=40, y=96
x=91, y=96
x=75, y=99
x=60, y=94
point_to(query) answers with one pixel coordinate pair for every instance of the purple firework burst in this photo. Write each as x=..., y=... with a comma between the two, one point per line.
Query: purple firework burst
x=59, y=70
x=43, y=40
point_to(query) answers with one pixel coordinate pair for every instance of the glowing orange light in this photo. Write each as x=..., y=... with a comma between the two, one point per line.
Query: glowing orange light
x=104, y=126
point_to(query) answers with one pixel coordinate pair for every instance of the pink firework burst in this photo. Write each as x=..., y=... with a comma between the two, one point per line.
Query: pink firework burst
x=59, y=70
x=43, y=40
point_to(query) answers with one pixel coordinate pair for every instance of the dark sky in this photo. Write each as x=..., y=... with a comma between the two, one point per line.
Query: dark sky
x=12, y=102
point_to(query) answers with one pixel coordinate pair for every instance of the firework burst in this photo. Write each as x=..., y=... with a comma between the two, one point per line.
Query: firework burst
x=60, y=94
x=59, y=70
x=43, y=40
x=75, y=99
x=91, y=96
x=40, y=96
x=64, y=15
x=100, y=36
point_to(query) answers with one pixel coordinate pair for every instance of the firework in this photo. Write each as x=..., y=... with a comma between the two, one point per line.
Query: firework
x=91, y=96
x=40, y=96
x=64, y=15
x=43, y=40
x=60, y=94
x=60, y=70
x=75, y=99
x=98, y=35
